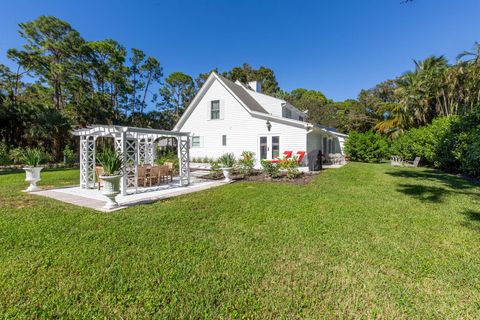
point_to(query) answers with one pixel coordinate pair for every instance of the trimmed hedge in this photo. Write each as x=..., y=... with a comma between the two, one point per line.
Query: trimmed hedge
x=425, y=142
x=366, y=147
x=449, y=143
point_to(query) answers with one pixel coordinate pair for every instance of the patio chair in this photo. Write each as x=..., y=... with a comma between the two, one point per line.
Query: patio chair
x=142, y=175
x=170, y=169
x=300, y=155
x=412, y=164
x=153, y=177
x=164, y=173
x=286, y=155
x=396, y=161
x=98, y=173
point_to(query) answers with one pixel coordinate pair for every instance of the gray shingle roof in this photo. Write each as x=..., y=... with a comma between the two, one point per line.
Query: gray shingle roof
x=243, y=95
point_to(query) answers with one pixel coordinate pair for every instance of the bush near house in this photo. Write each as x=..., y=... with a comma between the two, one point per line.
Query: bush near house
x=246, y=162
x=271, y=168
x=366, y=147
x=291, y=166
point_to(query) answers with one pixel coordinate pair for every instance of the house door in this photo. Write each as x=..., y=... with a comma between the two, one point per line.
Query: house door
x=269, y=147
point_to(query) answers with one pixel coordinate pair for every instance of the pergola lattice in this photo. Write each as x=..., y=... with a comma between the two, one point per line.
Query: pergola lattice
x=136, y=145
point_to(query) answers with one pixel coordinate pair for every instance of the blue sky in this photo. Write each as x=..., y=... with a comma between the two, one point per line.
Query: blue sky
x=337, y=47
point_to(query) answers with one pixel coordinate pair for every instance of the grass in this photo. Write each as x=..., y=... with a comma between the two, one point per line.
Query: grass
x=365, y=241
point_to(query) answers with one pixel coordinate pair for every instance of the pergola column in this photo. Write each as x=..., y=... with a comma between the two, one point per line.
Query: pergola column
x=87, y=162
x=184, y=156
x=120, y=141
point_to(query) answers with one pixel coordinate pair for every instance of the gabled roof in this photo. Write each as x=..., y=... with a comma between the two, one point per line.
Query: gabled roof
x=243, y=95
x=248, y=102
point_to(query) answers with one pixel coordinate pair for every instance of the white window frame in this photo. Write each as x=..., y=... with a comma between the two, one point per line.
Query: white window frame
x=218, y=111
x=196, y=144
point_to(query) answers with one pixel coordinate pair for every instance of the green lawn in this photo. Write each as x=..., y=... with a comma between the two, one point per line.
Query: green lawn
x=365, y=240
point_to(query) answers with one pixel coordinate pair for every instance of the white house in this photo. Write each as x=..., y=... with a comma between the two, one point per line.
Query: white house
x=232, y=117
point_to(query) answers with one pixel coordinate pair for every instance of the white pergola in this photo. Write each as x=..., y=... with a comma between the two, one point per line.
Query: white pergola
x=135, y=145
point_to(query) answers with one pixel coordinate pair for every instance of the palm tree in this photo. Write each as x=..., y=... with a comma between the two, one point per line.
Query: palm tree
x=473, y=55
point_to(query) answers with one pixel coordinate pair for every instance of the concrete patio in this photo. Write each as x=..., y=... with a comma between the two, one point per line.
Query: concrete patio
x=93, y=198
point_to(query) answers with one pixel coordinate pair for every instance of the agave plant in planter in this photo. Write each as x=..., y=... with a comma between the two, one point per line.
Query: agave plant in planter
x=112, y=164
x=227, y=161
x=32, y=157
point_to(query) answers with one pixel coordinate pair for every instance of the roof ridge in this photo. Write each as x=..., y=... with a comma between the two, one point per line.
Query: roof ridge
x=243, y=95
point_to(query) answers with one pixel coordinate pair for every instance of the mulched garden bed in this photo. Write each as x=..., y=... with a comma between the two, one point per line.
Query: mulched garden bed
x=259, y=176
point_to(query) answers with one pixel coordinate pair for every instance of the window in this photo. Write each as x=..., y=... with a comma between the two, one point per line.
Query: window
x=286, y=113
x=224, y=140
x=263, y=148
x=275, y=147
x=215, y=110
x=300, y=118
x=195, y=142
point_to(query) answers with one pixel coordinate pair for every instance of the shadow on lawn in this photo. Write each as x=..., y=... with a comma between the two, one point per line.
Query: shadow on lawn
x=450, y=184
x=473, y=219
x=448, y=180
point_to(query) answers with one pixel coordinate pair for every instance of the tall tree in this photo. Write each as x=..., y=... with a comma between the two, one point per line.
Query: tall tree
x=246, y=73
x=177, y=92
x=51, y=43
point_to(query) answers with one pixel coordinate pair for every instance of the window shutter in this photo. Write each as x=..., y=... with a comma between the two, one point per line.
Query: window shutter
x=222, y=109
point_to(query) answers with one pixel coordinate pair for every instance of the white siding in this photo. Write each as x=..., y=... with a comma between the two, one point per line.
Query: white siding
x=241, y=128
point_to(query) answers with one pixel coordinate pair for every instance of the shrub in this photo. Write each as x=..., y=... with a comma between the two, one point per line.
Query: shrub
x=270, y=168
x=215, y=167
x=4, y=155
x=16, y=155
x=424, y=142
x=460, y=148
x=246, y=162
x=69, y=156
x=227, y=160
x=366, y=147
x=291, y=165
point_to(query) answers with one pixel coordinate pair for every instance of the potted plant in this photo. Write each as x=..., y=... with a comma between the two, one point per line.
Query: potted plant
x=112, y=164
x=32, y=157
x=227, y=161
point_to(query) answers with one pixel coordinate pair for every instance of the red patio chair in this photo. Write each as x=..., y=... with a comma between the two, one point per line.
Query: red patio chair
x=300, y=155
x=286, y=155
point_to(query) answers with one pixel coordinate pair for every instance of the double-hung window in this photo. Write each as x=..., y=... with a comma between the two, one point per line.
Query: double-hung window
x=195, y=141
x=215, y=110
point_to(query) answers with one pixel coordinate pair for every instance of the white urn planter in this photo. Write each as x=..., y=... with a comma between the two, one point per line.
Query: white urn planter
x=111, y=188
x=32, y=176
x=227, y=172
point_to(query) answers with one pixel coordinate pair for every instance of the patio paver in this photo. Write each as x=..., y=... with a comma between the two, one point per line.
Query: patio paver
x=93, y=198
